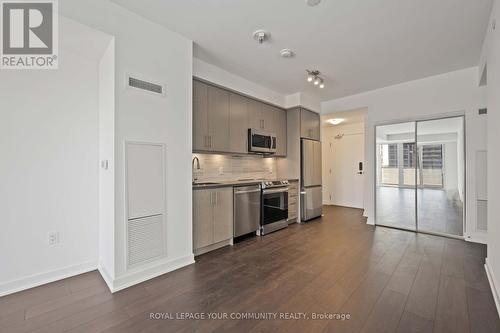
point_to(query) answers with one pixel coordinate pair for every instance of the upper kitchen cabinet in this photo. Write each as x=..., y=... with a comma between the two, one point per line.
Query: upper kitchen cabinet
x=200, y=116
x=210, y=118
x=221, y=120
x=238, y=123
x=218, y=119
x=255, y=114
x=310, y=124
x=275, y=122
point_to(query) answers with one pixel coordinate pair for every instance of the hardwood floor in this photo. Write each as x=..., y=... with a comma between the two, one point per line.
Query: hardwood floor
x=438, y=211
x=387, y=280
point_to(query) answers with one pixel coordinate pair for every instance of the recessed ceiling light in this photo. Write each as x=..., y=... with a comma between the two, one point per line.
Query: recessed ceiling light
x=335, y=121
x=313, y=3
x=286, y=53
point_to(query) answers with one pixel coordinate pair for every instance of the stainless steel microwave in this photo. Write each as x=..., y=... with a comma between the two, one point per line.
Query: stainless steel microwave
x=261, y=141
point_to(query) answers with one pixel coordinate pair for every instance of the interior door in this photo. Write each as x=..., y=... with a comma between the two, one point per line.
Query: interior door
x=346, y=180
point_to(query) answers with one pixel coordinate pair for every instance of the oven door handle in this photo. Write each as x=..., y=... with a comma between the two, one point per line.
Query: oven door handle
x=281, y=190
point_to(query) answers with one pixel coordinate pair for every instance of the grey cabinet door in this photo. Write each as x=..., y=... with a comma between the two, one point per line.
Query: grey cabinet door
x=269, y=118
x=280, y=123
x=238, y=123
x=309, y=125
x=218, y=119
x=200, y=116
x=203, y=224
x=255, y=114
x=223, y=214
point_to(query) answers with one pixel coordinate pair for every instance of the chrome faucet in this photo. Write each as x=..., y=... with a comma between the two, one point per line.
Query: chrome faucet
x=195, y=159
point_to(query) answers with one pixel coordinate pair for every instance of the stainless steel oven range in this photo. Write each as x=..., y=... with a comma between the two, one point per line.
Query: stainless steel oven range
x=274, y=206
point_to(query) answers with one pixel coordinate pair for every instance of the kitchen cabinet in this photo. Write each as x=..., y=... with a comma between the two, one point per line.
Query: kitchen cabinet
x=212, y=218
x=210, y=118
x=281, y=132
x=221, y=120
x=218, y=119
x=238, y=123
x=200, y=116
x=255, y=114
x=310, y=124
x=293, y=195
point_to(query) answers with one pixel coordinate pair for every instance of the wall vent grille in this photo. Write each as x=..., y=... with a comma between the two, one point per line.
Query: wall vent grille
x=151, y=87
x=483, y=111
x=145, y=239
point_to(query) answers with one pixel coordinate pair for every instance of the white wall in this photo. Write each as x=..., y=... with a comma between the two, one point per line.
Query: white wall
x=491, y=57
x=447, y=94
x=49, y=143
x=152, y=52
x=217, y=75
x=106, y=155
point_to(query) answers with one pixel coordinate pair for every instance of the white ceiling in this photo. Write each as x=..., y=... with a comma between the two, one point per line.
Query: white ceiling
x=358, y=45
x=349, y=117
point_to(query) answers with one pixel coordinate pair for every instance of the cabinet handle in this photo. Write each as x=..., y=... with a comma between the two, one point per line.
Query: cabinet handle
x=209, y=141
x=216, y=198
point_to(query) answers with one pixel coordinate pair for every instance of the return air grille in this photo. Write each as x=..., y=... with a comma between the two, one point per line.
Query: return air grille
x=145, y=85
x=145, y=239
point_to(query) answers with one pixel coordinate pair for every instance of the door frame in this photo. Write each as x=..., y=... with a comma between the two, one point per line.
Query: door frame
x=416, y=120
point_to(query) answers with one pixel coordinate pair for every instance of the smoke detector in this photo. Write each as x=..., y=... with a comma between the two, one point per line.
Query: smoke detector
x=286, y=53
x=261, y=36
x=313, y=3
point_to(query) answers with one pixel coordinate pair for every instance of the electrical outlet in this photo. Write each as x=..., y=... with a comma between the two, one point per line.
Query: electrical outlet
x=270, y=169
x=221, y=170
x=53, y=238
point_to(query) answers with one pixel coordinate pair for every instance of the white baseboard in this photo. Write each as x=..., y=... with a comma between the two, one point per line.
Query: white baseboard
x=36, y=280
x=105, y=276
x=139, y=275
x=476, y=238
x=493, y=286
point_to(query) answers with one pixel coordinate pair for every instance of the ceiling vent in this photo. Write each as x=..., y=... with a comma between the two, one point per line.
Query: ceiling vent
x=483, y=111
x=148, y=86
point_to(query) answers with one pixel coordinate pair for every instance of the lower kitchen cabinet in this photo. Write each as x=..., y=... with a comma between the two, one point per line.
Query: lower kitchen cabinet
x=212, y=219
x=293, y=195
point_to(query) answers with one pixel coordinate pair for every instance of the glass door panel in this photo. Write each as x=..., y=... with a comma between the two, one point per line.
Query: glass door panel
x=440, y=193
x=396, y=177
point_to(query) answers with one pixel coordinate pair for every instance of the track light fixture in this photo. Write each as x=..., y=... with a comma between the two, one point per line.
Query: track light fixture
x=313, y=76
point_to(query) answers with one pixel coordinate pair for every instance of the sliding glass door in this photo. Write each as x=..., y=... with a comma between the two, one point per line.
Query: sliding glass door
x=395, y=175
x=420, y=176
x=441, y=193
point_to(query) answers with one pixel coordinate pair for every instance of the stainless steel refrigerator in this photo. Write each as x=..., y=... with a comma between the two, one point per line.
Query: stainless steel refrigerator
x=311, y=194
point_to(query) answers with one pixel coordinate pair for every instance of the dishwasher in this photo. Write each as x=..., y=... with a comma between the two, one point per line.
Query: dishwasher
x=247, y=203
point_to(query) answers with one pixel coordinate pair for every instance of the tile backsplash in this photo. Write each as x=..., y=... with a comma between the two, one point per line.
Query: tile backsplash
x=228, y=168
